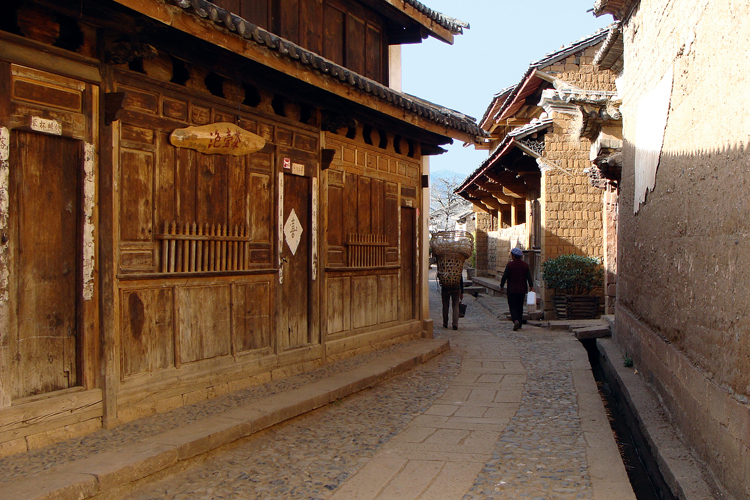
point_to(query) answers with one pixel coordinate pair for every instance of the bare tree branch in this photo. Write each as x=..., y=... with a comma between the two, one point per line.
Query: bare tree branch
x=445, y=204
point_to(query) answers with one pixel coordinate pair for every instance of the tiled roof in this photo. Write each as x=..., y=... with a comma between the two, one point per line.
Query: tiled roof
x=535, y=126
x=548, y=60
x=315, y=62
x=610, y=54
x=453, y=25
x=619, y=9
x=508, y=142
x=572, y=48
x=499, y=97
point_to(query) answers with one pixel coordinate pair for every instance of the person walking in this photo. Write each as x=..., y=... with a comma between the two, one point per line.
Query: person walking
x=454, y=295
x=517, y=274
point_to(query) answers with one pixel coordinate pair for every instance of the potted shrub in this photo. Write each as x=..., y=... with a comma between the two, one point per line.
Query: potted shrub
x=573, y=277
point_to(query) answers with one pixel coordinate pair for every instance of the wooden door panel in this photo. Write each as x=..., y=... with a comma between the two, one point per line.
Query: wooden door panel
x=45, y=247
x=148, y=331
x=294, y=325
x=408, y=258
x=364, y=301
x=251, y=315
x=204, y=322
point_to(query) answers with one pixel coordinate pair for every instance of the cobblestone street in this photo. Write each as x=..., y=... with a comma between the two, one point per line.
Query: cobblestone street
x=498, y=416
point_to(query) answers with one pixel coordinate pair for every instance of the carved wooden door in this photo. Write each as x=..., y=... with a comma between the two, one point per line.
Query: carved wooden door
x=295, y=262
x=44, y=241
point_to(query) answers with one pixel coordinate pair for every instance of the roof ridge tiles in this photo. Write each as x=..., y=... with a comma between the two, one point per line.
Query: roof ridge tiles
x=573, y=47
x=450, y=23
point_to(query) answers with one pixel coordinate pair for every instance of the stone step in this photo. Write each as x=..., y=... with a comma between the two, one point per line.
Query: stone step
x=592, y=332
x=474, y=290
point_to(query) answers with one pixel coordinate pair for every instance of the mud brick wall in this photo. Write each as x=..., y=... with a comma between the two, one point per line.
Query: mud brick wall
x=572, y=208
x=684, y=258
x=484, y=225
x=579, y=70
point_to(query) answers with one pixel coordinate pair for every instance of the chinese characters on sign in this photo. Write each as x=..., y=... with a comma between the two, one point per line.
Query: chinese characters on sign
x=227, y=140
x=218, y=138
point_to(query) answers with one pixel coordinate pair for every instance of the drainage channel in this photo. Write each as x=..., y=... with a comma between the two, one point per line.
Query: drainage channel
x=642, y=469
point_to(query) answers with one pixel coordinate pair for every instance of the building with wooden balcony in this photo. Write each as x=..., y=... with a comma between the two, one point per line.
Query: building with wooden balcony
x=196, y=197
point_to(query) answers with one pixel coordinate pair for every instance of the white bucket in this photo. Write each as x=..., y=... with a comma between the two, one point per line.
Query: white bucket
x=531, y=302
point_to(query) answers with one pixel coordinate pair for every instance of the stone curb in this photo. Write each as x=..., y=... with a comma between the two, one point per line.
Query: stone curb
x=107, y=471
x=685, y=475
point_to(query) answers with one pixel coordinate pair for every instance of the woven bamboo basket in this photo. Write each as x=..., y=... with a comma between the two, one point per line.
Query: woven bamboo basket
x=449, y=267
x=452, y=242
x=451, y=248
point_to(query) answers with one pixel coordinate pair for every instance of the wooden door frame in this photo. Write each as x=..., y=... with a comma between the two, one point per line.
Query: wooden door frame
x=23, y=53
x=314, y=275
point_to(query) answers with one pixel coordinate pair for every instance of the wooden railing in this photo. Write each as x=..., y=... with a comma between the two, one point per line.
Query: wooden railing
x=194, y=248
x=366, y=250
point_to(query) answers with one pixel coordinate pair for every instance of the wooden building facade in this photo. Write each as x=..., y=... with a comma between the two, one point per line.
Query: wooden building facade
x=196, y=197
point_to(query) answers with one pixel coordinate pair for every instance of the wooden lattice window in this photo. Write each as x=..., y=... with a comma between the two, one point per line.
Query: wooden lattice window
x=366, y=250
x=200, y=248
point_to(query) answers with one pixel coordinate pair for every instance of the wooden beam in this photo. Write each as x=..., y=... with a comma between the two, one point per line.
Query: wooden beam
x=491, y=186
x=477, y=202
x=515, y=190
x=492, y=202
x=505, y=177
x=482, y=206
x=177, y=18
x=497, y=190
x=501, y=198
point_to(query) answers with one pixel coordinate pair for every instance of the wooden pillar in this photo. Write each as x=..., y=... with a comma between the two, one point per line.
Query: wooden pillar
x=423, y=245
x=108, y=296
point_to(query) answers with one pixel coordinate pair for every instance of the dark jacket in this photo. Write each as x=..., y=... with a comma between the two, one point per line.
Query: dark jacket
x=517, y=274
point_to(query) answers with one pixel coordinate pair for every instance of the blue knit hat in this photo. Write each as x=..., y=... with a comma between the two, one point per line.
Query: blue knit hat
x=517, y=252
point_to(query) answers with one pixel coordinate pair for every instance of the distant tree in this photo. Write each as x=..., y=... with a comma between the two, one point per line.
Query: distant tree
x=445, y=204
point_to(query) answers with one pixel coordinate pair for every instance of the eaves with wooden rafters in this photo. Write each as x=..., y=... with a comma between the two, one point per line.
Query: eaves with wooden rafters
x=220, y=27
x=430, y=22
x=517, y=161
x=510, y=170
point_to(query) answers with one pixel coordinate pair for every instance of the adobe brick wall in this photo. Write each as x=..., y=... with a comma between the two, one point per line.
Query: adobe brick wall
x=609, y=224
x=684, y=258
x=484, y=224
x=572, y=209
x=579, y=70
x=503, y=239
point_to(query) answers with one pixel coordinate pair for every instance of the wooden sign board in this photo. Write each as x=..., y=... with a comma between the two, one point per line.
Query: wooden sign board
x=221, y=138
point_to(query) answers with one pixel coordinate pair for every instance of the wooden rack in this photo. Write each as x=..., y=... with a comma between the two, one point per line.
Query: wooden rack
x=366, y=250
x=194, y=248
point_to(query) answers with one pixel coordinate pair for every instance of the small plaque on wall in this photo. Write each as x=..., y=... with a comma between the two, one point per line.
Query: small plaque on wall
x=222, y=138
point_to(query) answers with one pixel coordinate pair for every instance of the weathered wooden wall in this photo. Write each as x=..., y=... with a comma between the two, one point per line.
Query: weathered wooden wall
x=347, y=33
x=129, y=211
x=366, y=187
x=49, y=328
x=183, y=320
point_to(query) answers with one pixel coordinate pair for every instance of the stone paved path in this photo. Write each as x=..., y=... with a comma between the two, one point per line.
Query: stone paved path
x=28, y=464
x=500, y=416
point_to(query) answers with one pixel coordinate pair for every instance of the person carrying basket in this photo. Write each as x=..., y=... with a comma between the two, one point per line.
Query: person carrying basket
x=451, y=249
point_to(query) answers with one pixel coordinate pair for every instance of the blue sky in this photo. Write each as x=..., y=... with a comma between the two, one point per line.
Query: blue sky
x=505, y=36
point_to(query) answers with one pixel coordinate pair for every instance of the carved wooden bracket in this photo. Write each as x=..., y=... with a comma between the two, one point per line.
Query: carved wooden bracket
x=113, y=105
x=126, y=52
x=326, y=157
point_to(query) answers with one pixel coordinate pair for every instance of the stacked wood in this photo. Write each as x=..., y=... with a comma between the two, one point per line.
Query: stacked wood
x=576, y=306
x=198, y=248
x=366, y=250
